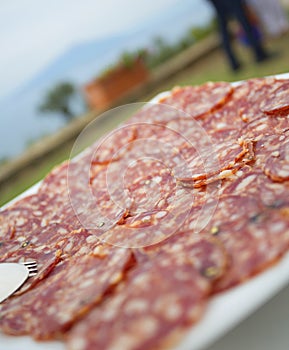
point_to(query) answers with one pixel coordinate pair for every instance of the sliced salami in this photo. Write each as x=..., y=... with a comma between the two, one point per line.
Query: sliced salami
x=74, y=287
x=26, y=215
x=255, y=183
x=226, y=224
x=278, y=100
x=113, y=146
x=224, y=123
x=187, y=199
x=149, y=227
x=47, y=258
x=255, y=245
x=277, y=165
x=257, y=90
x=197, y=101
x=160, y=300
x=231, y=157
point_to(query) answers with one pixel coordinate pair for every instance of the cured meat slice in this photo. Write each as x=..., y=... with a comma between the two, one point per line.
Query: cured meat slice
x=242, y=225
x=160, y=299
x=277, y=170
x=90, y=195
x=195, y=188
x=224, y=123
x=257, y=90
x=113, y=146
x=225, y=222
x=278, y=100
x=231, y=157
x=47, y=258
x=7, y=247
x=73, y=288
x=196, y=101
x=26, y=215
x=256, y=184
x=36, y=219
x=277, y=165
x=271, y=155
x=243, y=106
x=265, y=126
x=186, y=102
x=148, y=191
x=149, y=227
x=73, y=197
x=156, y=113
x=255, y=245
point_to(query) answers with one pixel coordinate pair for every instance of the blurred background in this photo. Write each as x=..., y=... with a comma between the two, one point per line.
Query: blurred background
x=64, y=62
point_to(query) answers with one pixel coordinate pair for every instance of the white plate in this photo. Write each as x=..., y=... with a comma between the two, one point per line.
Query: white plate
x=223, y=313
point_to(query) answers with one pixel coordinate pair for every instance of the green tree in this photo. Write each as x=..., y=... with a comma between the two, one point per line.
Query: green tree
x=58, y=99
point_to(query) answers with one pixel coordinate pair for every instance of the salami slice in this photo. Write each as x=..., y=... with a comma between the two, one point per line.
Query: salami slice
x=113, y=146
x=277, y=165
x=197, y=101
x=223, y=124
x=247, y=236
x=149, y=227
x=255, y=183
x=257, y=90
x=231, y=157
x=26, y=215
x=278, y=100
x=255, y=245
x=227, y=225
x=47, y=258
x=148, y=191
x=187, y=199
x=265, y=126
x=73, y=288
x=160, y=300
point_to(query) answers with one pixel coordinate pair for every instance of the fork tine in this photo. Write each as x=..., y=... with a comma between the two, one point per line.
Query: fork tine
x=31, y=266
x=30, y=263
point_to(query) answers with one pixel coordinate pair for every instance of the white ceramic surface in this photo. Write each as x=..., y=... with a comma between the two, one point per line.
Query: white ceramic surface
x=224, y=312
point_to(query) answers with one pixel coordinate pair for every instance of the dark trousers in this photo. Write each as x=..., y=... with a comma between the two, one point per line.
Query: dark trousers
x=235, y=8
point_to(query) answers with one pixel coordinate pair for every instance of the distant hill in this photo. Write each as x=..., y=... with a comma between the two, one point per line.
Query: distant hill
x=85, y=60
x=80, y=64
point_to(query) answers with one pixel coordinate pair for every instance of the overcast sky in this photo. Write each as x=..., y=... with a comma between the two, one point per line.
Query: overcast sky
x=33, y=32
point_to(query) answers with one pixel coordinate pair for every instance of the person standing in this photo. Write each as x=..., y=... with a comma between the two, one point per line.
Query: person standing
x=225, y=9
x=271, y=16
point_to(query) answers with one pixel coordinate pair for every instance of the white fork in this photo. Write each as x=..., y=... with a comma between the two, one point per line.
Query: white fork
x=31, y=266
x=14, y=275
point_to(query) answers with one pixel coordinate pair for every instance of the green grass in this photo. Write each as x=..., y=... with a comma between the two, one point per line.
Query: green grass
x=213, y=67
x=28, y=177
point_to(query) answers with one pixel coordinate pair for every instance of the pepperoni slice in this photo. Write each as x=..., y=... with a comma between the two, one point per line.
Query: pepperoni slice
x=162, y=297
